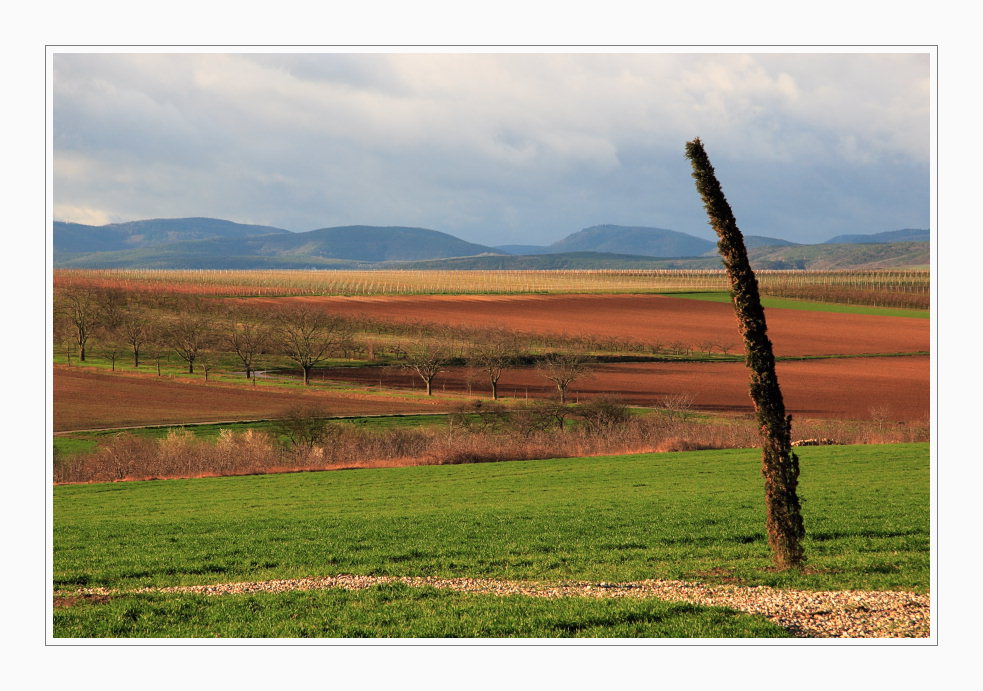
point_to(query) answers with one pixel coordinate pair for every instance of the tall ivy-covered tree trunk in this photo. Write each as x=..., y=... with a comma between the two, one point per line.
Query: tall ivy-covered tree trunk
x=780, y=466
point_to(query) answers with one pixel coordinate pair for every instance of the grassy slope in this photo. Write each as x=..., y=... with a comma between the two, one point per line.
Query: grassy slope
x=606, y=518
x=789, y=303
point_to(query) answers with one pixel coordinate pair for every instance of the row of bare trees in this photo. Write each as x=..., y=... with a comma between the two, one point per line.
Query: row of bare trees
x=197, y=331
x=494, y=357
x=194, y=330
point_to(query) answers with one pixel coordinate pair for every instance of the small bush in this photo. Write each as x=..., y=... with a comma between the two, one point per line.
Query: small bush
x=601, y=414
x=305, y=426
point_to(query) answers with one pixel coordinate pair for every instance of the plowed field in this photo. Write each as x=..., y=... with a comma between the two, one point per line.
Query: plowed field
x=91, y=400
x=837, y=388
x=645, y=318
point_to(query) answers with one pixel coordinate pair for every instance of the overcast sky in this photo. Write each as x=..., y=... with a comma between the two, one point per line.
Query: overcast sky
x=494, y=148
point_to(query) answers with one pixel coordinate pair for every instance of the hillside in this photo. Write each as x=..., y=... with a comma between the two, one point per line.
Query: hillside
x=79, y=238
x=843, y=256
x=538, y=262
x=342, y=247
x=903, y=235
x=522, y=249
x=208, y=243
x=633, y=240
x=816, y=257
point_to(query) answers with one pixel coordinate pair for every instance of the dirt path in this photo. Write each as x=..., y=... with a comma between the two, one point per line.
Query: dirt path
x=804, y=613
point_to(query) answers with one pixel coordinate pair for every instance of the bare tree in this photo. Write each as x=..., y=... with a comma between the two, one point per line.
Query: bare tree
x=112, y=303
x=494, y=356
x=563, y=369
x=248, y=341
x=427, y=360
x=206, y=362
x=137, y=327
x=62, y=332
x=79, y=306
x=157, y=348
x=780, y=466
x=307, y=337
x=111, y=344
x=188, y=336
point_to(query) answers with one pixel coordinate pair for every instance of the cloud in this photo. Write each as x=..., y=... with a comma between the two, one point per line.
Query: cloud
x=494, y=148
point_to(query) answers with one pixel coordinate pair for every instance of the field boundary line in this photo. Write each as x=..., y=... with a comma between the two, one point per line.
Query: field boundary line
x=804, y=613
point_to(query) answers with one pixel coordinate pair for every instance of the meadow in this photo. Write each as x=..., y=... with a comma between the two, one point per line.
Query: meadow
x=691, y=516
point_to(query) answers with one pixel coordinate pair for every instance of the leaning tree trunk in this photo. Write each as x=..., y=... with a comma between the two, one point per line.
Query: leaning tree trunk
x=780, y=466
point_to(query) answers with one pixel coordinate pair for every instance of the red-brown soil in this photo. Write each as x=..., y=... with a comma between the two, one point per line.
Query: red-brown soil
x=644, y=318
x=91, y=400
x=849, y=388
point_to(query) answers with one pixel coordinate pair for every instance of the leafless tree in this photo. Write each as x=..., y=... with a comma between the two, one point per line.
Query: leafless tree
x=494, y=356
x=62, y=332
x=110, y=343
x=248, y=341
x=206, y=362
x=79, y=306
x=563, y=369
x=307, y=336
x=156, y=348
x=112, y=305
x=137, y=327
x=427, y=360
x=188, y=336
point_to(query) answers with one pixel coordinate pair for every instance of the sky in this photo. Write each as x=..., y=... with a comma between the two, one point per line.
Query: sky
x=495, y=148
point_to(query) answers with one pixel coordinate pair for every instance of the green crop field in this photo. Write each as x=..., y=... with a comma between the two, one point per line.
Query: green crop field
x=398, y=611
x=695, y=515
x=808, y=305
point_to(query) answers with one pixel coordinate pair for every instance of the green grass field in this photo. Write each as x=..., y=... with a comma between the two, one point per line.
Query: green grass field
x=614, y=518
x=398, y=611
x=809, y=306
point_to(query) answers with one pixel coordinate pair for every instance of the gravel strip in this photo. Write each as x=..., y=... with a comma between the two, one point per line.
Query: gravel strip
x=804, y=613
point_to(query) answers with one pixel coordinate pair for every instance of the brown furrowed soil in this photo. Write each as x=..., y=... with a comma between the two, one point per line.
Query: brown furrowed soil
x=896, y=388
x=90, y=400
x=644, y=318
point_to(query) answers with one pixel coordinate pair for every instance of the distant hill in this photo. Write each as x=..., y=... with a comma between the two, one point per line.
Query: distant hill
x=903, y=235
x=208, y=243
x=341, y=247
x=78, y=237
x=888, y=255
x=371, y=244
x=523, y=249
x=634, y=240
x=553, y=261
x=754, y=241
x=815, y=257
